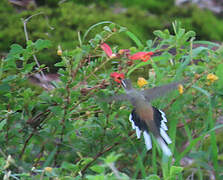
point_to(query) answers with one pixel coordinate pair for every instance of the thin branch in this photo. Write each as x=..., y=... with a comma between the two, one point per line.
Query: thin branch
x=63, y=121
x=26, y=143
x=103, y=152
x=99, y=155
x=27, y=39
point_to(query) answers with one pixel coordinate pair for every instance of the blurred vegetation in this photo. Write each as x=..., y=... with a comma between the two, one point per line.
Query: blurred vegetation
x=67, y=132
x=61, y=23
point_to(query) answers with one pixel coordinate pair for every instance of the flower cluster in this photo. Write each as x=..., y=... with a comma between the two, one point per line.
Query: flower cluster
x=141, y=82
x=143, y=56
x=211, y=78
x=117, y=76
x=180, y=88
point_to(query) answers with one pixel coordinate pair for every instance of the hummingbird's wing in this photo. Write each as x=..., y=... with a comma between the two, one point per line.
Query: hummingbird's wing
x=156, y=92
x=118, y=97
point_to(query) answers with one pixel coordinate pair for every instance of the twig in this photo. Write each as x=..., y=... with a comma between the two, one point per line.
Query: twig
x=98, y=155
x=101, y=153
x=26, y=143
x=63, y=121
x=104, y=132
x=27, y=39
x=39, y=156
x=97, y=68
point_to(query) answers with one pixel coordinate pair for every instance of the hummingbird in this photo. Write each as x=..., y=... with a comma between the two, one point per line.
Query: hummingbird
x=145, y=118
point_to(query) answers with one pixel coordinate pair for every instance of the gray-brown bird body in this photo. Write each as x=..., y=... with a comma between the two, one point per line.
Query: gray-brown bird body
x=143, y=109
x=145, y=118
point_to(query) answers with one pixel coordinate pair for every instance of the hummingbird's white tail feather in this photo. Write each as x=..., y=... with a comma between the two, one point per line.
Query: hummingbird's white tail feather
x=165, y=136
x=130, y=119
x=138, y=131
x=163, y=126
x=164, y=147
x=163, y=116
x=147, y=139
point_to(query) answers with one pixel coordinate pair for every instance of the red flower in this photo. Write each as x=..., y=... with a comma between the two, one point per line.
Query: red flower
x=143, y=56
x=117, y=76
x=107, y=49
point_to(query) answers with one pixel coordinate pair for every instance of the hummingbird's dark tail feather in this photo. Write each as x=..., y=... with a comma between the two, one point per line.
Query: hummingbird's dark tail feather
x=139, y=126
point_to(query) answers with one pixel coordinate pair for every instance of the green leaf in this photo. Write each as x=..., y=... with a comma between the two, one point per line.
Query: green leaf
x=175, y=170
x=152, y=177
x=212, y=44
x=2, y=123
x=195, y=141
x=106, y=28
x=4, y=87
x=69, y=166
x=98, y=169
x=135, y=39
x=14, y=54
x=112, y=158
x=137, y=66
x=96, y=177
x=86, y=160
x=77, y=56
x=95, y=25
x=16, y=49
x=160, y=34
x=198, y=50
x=41, y=44
x=50, y=157
x=60, y=64
x=149, y=44
x=28, y=67
x=220, y=76
x=206, y=93
x=188, y=35
x=180, y=33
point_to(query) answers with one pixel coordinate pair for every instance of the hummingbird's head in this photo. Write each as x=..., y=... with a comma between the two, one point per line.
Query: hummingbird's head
x=126, y=83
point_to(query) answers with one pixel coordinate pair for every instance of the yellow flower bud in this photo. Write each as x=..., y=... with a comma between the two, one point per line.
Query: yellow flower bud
x=212, y=78
x=59, y=51
x=180, y=88
x=48, y=169
x=141, y=82
x=197, y=76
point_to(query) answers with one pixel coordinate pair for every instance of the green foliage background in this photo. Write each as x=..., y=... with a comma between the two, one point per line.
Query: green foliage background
x=67, y=133
x=60, y=23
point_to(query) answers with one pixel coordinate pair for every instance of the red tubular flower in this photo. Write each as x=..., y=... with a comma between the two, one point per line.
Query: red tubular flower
x=107, y=49
x=143, y=56
x=117, y=76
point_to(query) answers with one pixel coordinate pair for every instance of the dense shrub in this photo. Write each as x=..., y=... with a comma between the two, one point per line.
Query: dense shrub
x=68, y=132
x=61, y=23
